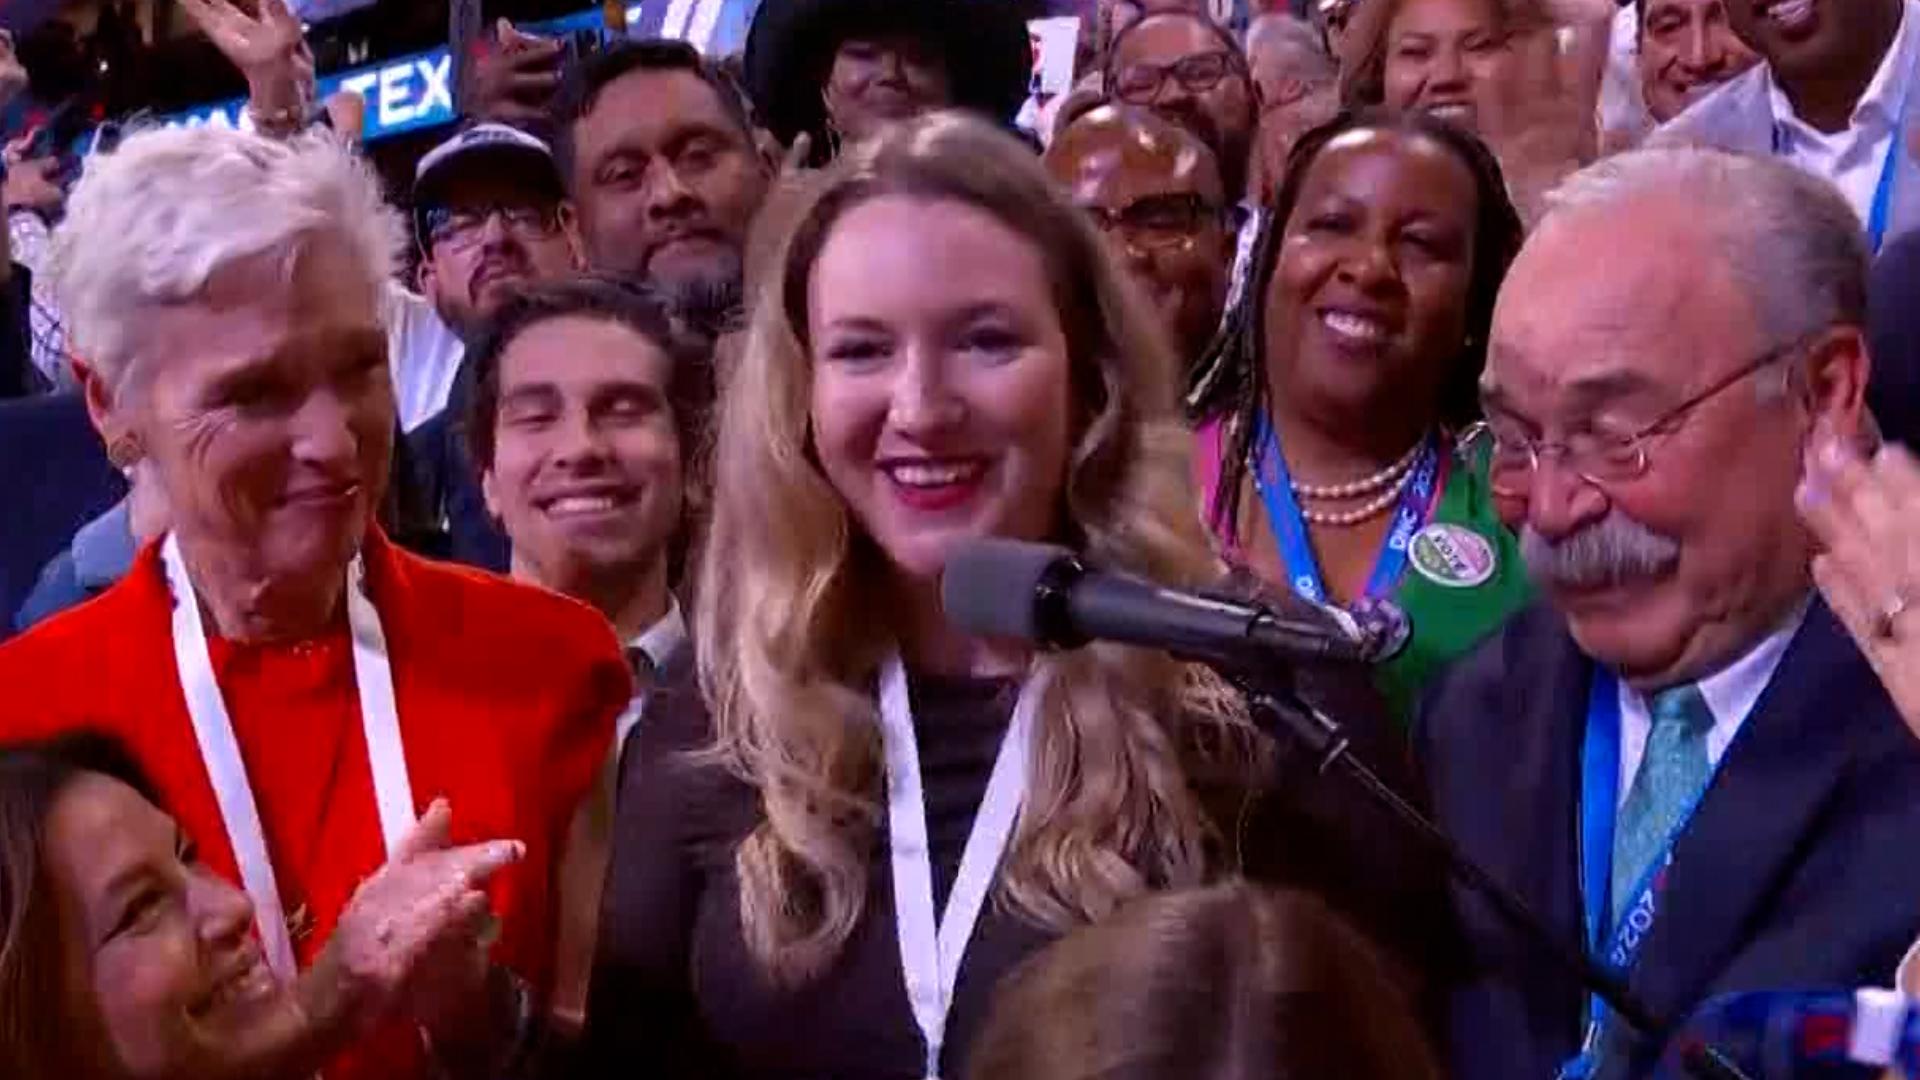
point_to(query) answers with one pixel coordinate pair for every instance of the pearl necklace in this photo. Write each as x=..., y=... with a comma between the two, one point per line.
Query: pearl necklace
x=1378, y=505
x=1398, y=471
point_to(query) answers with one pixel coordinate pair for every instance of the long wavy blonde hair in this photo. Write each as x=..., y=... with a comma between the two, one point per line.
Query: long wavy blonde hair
x=791, y=620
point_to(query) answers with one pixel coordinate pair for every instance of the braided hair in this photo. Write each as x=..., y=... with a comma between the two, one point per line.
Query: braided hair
x=1231, y=384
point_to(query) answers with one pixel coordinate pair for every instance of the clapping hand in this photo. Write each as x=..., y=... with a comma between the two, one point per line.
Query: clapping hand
x=413, y=937
x=1866, y=516
x=269, y=47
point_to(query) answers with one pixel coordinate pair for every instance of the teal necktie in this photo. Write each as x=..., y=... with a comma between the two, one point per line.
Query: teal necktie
x=1673, y=771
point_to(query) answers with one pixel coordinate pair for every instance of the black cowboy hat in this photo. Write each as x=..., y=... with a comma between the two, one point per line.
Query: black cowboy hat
x=790, y=49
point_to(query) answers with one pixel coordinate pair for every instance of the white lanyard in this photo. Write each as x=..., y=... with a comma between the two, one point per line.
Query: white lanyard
x=930, y=958
x=220, y=751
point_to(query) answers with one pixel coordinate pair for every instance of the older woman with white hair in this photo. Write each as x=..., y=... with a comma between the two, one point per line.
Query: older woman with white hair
x=298, y=688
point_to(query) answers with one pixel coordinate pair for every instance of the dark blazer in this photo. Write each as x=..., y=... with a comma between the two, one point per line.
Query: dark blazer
x=450, y=485
x=1796, y=872
x=54, y=478
x=1893, y=332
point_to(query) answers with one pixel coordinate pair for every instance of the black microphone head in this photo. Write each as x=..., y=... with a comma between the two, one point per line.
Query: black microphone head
x=995, y=587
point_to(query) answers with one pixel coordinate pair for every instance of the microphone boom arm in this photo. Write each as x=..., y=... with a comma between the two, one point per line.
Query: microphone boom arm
x=1322, y=737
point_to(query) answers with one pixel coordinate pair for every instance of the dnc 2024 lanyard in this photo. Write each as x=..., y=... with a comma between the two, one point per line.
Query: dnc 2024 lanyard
x=227, y=771
x=1416, y=507
x=1618, y=950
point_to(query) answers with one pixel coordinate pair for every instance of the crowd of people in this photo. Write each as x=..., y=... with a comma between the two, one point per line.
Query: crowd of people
x=496, y=629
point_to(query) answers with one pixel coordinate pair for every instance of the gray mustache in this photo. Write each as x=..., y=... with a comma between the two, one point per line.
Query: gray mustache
x=1612, y=551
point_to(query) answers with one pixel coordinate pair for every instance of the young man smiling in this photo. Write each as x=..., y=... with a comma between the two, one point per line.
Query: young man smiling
x=586, y=394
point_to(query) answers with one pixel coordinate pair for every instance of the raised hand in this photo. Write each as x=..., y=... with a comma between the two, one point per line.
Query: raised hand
x=513, y=78
x=1866, y=517
x=32, y=184
x=1547, y=125
x=422, y=911
x=267, y=46
x=13, y=74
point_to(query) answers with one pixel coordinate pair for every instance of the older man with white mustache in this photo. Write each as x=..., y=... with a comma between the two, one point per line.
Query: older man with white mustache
x=1677, y=757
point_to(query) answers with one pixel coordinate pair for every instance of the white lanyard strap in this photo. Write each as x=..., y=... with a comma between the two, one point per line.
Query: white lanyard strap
x=227, y=771
x=930, y=957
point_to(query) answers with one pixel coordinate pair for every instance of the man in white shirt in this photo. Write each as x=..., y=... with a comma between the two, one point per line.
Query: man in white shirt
x=1833, y=97
x=1677, y=757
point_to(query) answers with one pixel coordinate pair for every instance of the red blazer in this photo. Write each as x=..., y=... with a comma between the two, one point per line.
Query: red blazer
x=506, y=695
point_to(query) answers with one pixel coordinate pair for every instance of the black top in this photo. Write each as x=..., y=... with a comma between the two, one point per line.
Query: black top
x=676, y=994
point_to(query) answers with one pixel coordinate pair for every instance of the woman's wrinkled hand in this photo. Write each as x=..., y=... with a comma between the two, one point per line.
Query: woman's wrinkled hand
x=1865, y=515
x=409, y=938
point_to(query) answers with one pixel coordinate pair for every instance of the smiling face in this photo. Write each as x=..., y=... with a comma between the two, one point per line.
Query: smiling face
x=1583, y=346
x=1817, y=39
x=266, y=412
x=586, y=476
x=1449, y=58
x=1157, y=196
x=1368, y=303
x=1687, y=49
x=174, y=980
x=883, y=79
x=941, y=403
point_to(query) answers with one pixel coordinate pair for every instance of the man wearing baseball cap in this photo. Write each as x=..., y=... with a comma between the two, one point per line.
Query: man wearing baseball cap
x=489, y=216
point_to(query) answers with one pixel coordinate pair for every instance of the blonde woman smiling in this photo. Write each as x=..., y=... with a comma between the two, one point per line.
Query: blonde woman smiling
x=881, y=815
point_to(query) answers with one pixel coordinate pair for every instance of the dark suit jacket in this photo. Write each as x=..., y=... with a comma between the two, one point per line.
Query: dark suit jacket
x=451, y=487
x=1893, y=331
x=54, y=478
x=1798, y=869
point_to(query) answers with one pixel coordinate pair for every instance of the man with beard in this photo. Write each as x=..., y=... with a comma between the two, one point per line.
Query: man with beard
x=659, y=153
x=1153, y=188
x=1188, y=68
x=490, y=218
x=1677, y=758
x=1834, y=97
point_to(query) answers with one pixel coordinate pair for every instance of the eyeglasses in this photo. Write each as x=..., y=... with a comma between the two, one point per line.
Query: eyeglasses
x=1598, y=457
x=1157, y=221
x=461, y=228
x=1139, y=84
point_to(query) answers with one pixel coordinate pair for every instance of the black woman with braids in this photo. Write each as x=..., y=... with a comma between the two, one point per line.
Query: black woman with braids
x=1330, y=449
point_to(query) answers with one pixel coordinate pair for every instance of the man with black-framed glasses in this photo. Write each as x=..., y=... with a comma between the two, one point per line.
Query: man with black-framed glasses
x=490, y=218
x=1154, y=190
x=1677, y=755
x=1188, y=68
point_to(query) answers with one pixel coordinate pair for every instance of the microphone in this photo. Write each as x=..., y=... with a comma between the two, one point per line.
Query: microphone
x=1045, y=594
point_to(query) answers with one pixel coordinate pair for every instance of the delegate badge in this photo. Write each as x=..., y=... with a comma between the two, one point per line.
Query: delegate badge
x=1450, y=555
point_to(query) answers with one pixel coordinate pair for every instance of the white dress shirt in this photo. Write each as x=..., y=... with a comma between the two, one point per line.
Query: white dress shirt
x=1853, y=159
x=1730, y=692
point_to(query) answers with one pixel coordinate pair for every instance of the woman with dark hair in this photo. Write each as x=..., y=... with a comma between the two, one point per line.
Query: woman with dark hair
x=1228, y=983
x=123, y=957
x=837, y=71
x=1331, y=412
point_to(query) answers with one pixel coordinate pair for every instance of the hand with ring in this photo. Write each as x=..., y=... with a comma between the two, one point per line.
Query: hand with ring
x=1865, y=514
